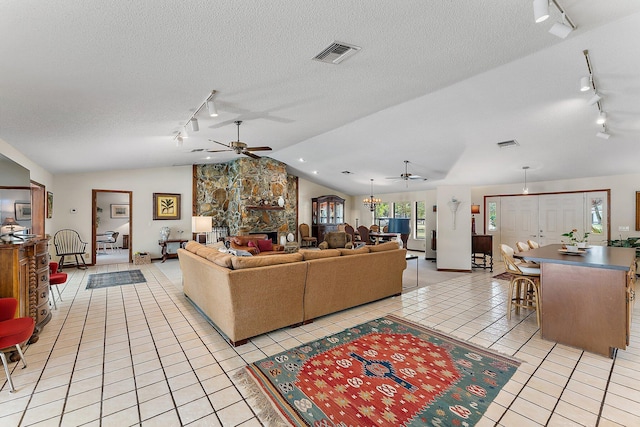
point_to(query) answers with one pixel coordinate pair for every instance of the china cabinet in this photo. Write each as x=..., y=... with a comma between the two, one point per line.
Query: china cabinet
x=327, y=213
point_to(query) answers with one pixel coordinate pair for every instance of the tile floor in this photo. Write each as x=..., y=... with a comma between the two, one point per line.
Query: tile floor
x=141, y=355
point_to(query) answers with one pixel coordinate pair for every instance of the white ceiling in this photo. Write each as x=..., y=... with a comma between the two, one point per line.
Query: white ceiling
x=92, y=85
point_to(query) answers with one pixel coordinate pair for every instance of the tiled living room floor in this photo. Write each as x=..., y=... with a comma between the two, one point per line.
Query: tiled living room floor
x=141, y=355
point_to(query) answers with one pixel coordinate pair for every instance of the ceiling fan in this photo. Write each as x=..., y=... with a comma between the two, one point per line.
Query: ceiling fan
x=239, y=147
x=406, y=176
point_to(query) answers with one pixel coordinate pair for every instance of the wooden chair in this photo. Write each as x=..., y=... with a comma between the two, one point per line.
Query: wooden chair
x=522, y=246
x=524, y=288
x=364, y=235
x=68, y=242
x=306, y=239
x=533, y=244
x=374, y=228
x=349, y=230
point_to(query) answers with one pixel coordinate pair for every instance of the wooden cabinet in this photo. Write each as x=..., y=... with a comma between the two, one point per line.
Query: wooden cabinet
x=482, y=251
x=24, y=275
x=326, y=213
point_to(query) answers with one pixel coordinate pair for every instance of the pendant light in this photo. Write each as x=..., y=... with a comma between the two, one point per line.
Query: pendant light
x=525, y=189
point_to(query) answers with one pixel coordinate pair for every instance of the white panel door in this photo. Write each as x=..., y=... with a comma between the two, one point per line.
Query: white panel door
x=560, y=213
x=519, y=219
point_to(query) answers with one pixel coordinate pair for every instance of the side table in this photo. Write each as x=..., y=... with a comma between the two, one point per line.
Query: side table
x=291, y=247
x=164, y=244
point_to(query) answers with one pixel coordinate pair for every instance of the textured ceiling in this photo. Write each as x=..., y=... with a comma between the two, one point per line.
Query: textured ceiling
x=92, y=85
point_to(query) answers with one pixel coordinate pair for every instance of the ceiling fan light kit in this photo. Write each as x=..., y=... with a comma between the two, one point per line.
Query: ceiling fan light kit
x=238, y=146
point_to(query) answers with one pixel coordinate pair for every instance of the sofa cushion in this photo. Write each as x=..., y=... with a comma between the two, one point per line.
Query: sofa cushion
x=204, y=251
x=240, y=263
x=216, y=245
x=192, y=246
x=253, y=244
x=347, y=252
x=386, y=246
x=222, y=259
x=311, y=254
x=264, y=245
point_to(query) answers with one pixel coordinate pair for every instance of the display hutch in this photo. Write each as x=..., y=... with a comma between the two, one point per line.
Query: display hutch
x=327, y=213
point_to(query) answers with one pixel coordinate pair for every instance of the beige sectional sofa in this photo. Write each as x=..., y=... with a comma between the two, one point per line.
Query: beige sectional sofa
x=248, y=296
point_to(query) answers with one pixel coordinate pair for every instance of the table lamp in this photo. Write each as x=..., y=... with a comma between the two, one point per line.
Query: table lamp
x=475, y=209
x=11, y=224
x=400, y=226
x=199, y=225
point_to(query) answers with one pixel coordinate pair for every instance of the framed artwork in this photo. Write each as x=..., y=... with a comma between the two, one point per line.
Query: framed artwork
x=23, y=211
x=166, y=206
x=49, y=204
x=119, y=211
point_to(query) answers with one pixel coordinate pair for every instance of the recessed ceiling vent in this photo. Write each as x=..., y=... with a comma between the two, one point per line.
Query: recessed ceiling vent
x=506, y=144
x=336, y=53
x=197, y=150
x=347, y=172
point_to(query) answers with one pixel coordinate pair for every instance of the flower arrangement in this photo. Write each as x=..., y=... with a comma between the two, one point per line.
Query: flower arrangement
x=574, y=237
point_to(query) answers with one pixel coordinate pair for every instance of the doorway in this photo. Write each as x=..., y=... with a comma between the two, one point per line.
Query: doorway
x=112, y=232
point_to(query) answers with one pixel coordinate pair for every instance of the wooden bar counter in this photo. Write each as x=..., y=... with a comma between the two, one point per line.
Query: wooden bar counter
x=587, y=299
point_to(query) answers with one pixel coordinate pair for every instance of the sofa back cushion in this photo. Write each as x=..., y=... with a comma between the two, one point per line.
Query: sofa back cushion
x=240, y=263
x=192, y=246
x=316, y=254
x=222, y=259
x=361, y=250
x=386, y=246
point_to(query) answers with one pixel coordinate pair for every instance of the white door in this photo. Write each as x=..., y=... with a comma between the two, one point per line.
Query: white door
x=519, y=219
x=561, y=213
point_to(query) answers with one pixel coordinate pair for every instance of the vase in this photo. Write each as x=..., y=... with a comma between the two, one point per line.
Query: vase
x=281, y=201
x=164, y=233
x=581, y=245
x=572, y=248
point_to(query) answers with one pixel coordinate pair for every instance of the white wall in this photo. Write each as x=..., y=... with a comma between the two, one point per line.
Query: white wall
x=307, y=190
x=454, y=229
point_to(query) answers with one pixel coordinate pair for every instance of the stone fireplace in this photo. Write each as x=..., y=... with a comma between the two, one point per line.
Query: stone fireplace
x=244, y=193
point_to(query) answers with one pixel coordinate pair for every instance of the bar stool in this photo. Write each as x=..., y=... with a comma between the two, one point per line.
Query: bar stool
x=56, y=279
x=524, y=288
x=13, y=332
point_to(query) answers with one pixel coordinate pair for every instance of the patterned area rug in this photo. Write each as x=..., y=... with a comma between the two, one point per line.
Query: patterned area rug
x=116, y=278
x=503, y=276
x=384, y=372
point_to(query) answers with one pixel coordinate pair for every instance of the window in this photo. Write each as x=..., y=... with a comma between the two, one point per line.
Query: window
x=402, y=210
x=420, y=231
x=382, y=214
x=492, y=208
x=596, y=216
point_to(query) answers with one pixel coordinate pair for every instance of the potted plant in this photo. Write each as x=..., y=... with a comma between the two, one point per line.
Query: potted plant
x=575, y=241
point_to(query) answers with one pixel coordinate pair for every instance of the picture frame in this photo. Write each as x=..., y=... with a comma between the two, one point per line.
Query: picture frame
x=166, y=206
x=23, y=211
x=49, y=204
x=119, y=211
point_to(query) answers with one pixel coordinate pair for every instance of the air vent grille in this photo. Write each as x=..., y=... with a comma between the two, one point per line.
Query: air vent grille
x=347, y=172
x=506, y=144
x=197, y=150
x=336, y=52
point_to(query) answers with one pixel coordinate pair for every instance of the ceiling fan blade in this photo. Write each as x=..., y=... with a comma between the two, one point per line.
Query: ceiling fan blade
x=226, y=145
x=217, y=151
x=247, y=153
x=258, y=149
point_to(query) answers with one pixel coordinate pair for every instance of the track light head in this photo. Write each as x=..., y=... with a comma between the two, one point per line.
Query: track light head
x=194, y=124
x=540, y=10
x=560, y=29
x=585, y=83
x=602, y=118
x=594, y=99
x=184, y=133
x=179, y=140
x=211, y=107
x=603, y=134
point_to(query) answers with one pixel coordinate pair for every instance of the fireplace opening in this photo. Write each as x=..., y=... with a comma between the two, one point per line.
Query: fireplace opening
x=273, y=235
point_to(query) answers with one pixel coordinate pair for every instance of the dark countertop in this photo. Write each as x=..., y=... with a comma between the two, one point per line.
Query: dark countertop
x=613, y=258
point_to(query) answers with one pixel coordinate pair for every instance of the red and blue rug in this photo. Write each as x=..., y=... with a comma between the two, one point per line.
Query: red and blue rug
x=386, y=372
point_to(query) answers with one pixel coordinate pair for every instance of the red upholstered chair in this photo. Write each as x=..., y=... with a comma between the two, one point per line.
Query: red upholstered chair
x=55, y=279
x=13, y=332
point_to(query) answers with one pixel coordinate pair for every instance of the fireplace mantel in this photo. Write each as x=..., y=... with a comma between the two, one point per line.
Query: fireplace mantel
x=265, y=208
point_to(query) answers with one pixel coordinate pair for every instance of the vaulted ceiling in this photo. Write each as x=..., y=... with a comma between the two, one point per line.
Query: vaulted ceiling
x=92, y=85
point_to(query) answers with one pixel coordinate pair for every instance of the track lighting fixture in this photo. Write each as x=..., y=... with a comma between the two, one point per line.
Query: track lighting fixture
x=585, y=83
x=193, y=120
x=179, y=141
x=603, y=134
x=540, y=10
x=561, y=29
x=594, y=99
x=602, y=118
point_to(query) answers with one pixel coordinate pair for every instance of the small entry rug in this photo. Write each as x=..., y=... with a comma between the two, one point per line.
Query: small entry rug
x=116, y=278
x=503, y=276
x=386, y=372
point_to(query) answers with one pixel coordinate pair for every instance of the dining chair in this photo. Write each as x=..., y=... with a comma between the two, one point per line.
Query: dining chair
x=364, y=234
x=533, y=244
x=522, y=246
x=13, y=332
x=56, y=279
x=524, y=287
x=306, y=239
x=68, y=242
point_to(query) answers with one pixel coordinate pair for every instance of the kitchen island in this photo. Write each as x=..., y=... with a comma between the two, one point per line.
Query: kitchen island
x=586, y=298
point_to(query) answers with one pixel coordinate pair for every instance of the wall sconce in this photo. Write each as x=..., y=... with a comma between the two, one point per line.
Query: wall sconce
x=475, y=209
x=454, y=204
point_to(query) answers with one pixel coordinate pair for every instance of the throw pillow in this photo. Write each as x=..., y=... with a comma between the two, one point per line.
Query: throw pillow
x=265, y=245
x=252, y=244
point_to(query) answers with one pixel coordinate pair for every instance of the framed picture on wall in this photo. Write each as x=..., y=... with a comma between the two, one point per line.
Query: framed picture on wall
x=166, y=206
x=23, y=211
x=119, y=211
x=49, y=204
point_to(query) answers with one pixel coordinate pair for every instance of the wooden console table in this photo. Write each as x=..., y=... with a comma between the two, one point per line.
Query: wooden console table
x=165, y=250
x=481, y=251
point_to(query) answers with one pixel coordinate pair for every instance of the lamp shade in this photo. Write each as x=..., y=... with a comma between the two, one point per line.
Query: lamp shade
x=399, y=225
x=201, y=224
x=475, y=209
x=9, y=221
